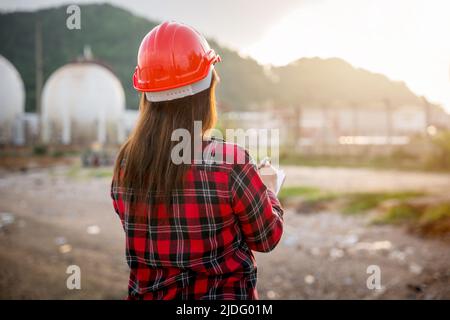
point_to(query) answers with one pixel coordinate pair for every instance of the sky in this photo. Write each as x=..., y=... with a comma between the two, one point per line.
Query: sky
x=407, y=40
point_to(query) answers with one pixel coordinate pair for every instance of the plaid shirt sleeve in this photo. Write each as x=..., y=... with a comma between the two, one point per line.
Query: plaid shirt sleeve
x=258, y=210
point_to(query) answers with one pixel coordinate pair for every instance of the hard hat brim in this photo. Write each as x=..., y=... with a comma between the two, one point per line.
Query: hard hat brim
x=181, y=92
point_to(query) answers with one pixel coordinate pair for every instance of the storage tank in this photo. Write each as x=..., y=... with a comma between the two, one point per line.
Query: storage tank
x=82, y=103
x=12, y=104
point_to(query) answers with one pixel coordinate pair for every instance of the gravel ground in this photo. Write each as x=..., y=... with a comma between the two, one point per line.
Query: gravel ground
x=50, y=220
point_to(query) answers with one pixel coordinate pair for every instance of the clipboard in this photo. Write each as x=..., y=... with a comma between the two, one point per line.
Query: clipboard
x=281, y=176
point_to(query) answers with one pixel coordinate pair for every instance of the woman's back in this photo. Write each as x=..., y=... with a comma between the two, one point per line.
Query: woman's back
x=199, y=246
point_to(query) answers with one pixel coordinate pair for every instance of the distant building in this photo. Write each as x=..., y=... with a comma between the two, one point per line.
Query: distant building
x=12, y=104
x=31, y=127
x=129, y=120
x=82, y=103
x=261, y=121
x=312, y=127
x=373, y=124
x=409, y=119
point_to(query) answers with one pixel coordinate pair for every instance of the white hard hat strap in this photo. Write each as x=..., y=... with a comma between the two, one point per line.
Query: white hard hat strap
x=181, y=92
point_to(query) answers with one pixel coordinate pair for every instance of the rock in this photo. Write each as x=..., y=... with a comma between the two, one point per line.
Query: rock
x=309, y=279
x=60, y=241
x=398, y=255
x=336, y=253
x=415, y=268
x=7, y=218
x=315, y=251
x=65, y=248
x=271, y=294
x=349, y=240
x=93, y=229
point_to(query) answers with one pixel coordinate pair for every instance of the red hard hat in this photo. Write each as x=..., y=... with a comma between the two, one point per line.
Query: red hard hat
x=172, y=61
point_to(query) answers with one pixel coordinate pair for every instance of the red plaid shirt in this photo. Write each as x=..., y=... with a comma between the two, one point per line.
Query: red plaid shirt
x=200, y=246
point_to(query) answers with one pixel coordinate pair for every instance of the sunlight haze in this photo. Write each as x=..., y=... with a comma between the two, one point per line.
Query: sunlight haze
x=405, y=40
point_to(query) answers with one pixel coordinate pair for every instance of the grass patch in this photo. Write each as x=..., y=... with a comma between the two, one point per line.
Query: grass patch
x=78, y=172
x=435, y=213
x=293, y=192
x=311, y=198
x=432, y=220
x=100, y=172
x=399, y=214
x=361, y=202
x=349, y=161
x=307, y=193
x=74, y=171
x=353, y=203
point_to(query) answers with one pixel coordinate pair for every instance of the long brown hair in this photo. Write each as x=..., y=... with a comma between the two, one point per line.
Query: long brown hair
x=144, y=161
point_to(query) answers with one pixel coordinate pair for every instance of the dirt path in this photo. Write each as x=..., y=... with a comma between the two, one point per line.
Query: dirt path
x=325, y=255
x=361, y=179
x=49, y=221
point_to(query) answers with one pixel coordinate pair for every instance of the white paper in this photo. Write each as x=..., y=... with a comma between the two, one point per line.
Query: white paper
x=281, y=176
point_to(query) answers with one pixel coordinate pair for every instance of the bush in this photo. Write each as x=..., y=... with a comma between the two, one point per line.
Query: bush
x=40, y=150
x=57, y=154
x=439, y=157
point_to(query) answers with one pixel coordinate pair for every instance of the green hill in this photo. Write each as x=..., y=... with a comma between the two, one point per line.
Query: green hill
x=318, y=81
x=105, y=28
x=114, y=35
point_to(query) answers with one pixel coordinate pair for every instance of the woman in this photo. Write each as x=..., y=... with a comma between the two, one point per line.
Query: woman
x=190, y=227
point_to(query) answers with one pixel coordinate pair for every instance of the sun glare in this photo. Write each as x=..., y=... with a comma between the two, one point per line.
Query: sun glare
x=405, y=40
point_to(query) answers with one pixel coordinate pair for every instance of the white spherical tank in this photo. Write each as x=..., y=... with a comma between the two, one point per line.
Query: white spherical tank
x=82, y=103
x=12, y=103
